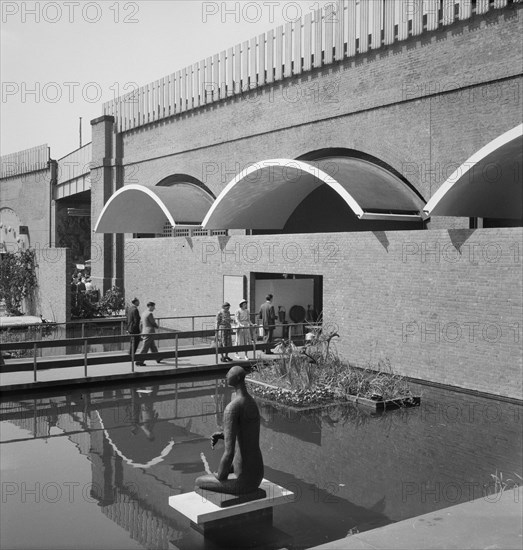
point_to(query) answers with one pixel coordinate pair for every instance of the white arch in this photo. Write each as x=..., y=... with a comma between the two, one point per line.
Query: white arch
x=139, y=209
x=267, y=204
x=156, y=460
x=453, y=199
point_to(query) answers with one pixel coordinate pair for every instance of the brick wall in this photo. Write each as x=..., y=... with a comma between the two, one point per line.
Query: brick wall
x=441, y=305
x=28, y=196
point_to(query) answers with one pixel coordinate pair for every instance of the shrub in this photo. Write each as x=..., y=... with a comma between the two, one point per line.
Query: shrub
x=17, y=279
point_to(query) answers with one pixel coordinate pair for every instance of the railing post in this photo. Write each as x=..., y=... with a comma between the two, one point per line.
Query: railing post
x=176, y=352
x=254, y=342
x=216, y=344
x=85, y=357
x=121, y=328
x=192, y=324
x=158, y=346
x=34, y=362
x=83, y=329
x=132, y=352
x=290, y=332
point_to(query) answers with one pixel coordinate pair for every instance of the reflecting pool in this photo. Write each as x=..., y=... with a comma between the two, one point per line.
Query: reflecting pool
x=93, y=469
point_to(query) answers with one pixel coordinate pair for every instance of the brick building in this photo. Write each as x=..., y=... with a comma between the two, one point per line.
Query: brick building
x=376, y=180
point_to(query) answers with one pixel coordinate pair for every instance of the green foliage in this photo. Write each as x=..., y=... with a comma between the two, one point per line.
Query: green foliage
x=17, y=279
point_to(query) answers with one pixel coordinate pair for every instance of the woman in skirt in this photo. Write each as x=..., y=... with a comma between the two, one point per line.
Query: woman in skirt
x=224, y=330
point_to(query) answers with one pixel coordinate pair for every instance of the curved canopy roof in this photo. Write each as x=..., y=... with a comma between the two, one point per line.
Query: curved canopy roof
x=487, y=185
x=140, y=209
x=264, y=195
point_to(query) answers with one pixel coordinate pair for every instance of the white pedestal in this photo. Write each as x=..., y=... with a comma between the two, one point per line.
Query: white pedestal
x=205, y=514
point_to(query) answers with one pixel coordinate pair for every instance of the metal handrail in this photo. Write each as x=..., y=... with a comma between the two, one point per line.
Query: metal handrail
x=86, y=340
x=101, y=321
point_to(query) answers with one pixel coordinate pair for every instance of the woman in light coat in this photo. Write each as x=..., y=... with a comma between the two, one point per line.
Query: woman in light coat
x=242, y=319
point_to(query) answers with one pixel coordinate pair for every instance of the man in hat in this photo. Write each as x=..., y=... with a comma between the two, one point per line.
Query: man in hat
x=267, y=316
x=149, y=326
x=133, y=324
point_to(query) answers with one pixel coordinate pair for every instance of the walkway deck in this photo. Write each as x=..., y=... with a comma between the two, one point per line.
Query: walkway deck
x=52, y=378
x=492, y=522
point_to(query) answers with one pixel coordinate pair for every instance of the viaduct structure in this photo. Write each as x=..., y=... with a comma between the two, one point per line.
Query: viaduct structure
x=364, y=162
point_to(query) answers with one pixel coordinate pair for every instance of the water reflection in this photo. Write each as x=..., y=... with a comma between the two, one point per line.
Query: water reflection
x=350, y=470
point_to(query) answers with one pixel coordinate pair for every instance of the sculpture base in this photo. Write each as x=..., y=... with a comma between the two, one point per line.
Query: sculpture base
x=259, y=519
x=207, y=516
x=224, y=500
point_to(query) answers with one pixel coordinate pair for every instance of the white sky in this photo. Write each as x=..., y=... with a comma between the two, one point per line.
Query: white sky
x=79, y=54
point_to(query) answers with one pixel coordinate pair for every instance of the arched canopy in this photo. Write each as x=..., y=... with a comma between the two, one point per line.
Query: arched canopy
x=487, y=185
x=264, y=195
x=140, y=209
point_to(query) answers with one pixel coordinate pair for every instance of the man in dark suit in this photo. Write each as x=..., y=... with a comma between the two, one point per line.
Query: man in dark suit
x=133, y=324
x=267, y=316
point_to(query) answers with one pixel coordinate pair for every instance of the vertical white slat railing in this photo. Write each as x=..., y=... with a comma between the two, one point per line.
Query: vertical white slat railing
x=339, y=31
x=261, y=60
x=298, y=47
x=307, y=42
x=350, y=18
x=448, y=12
x=364, y=27
x=377, y=24
x=317, y=37
x=288, y=50
x=244, y=77
x=253, y=69
x=278, y=53
x=237, y=79
x=343, y=29
x=417, y=17
x=328, y=25
x=270, y=57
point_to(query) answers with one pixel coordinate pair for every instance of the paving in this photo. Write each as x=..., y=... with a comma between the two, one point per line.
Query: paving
x=492, y=522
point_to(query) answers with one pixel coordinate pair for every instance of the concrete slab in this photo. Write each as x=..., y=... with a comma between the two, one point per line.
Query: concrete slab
x=199, y=510
x=492, y=522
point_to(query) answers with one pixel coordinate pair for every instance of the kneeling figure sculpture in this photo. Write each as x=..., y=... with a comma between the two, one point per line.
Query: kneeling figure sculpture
x=241, y=467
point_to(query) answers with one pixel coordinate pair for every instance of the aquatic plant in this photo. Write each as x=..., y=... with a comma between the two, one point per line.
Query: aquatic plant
x=501, y=483
x=315, y=374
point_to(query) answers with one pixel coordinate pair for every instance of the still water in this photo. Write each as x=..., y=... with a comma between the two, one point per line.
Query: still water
x=94, y=469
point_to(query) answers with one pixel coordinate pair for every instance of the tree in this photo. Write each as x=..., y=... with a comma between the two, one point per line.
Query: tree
x=17, y=279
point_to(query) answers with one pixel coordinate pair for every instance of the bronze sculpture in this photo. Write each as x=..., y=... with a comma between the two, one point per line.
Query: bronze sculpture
x=241, y=467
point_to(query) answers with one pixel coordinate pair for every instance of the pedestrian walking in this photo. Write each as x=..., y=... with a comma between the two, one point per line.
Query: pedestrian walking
x=267, y=316
x=133, y=325
x=149, y=326
x=224, y=330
